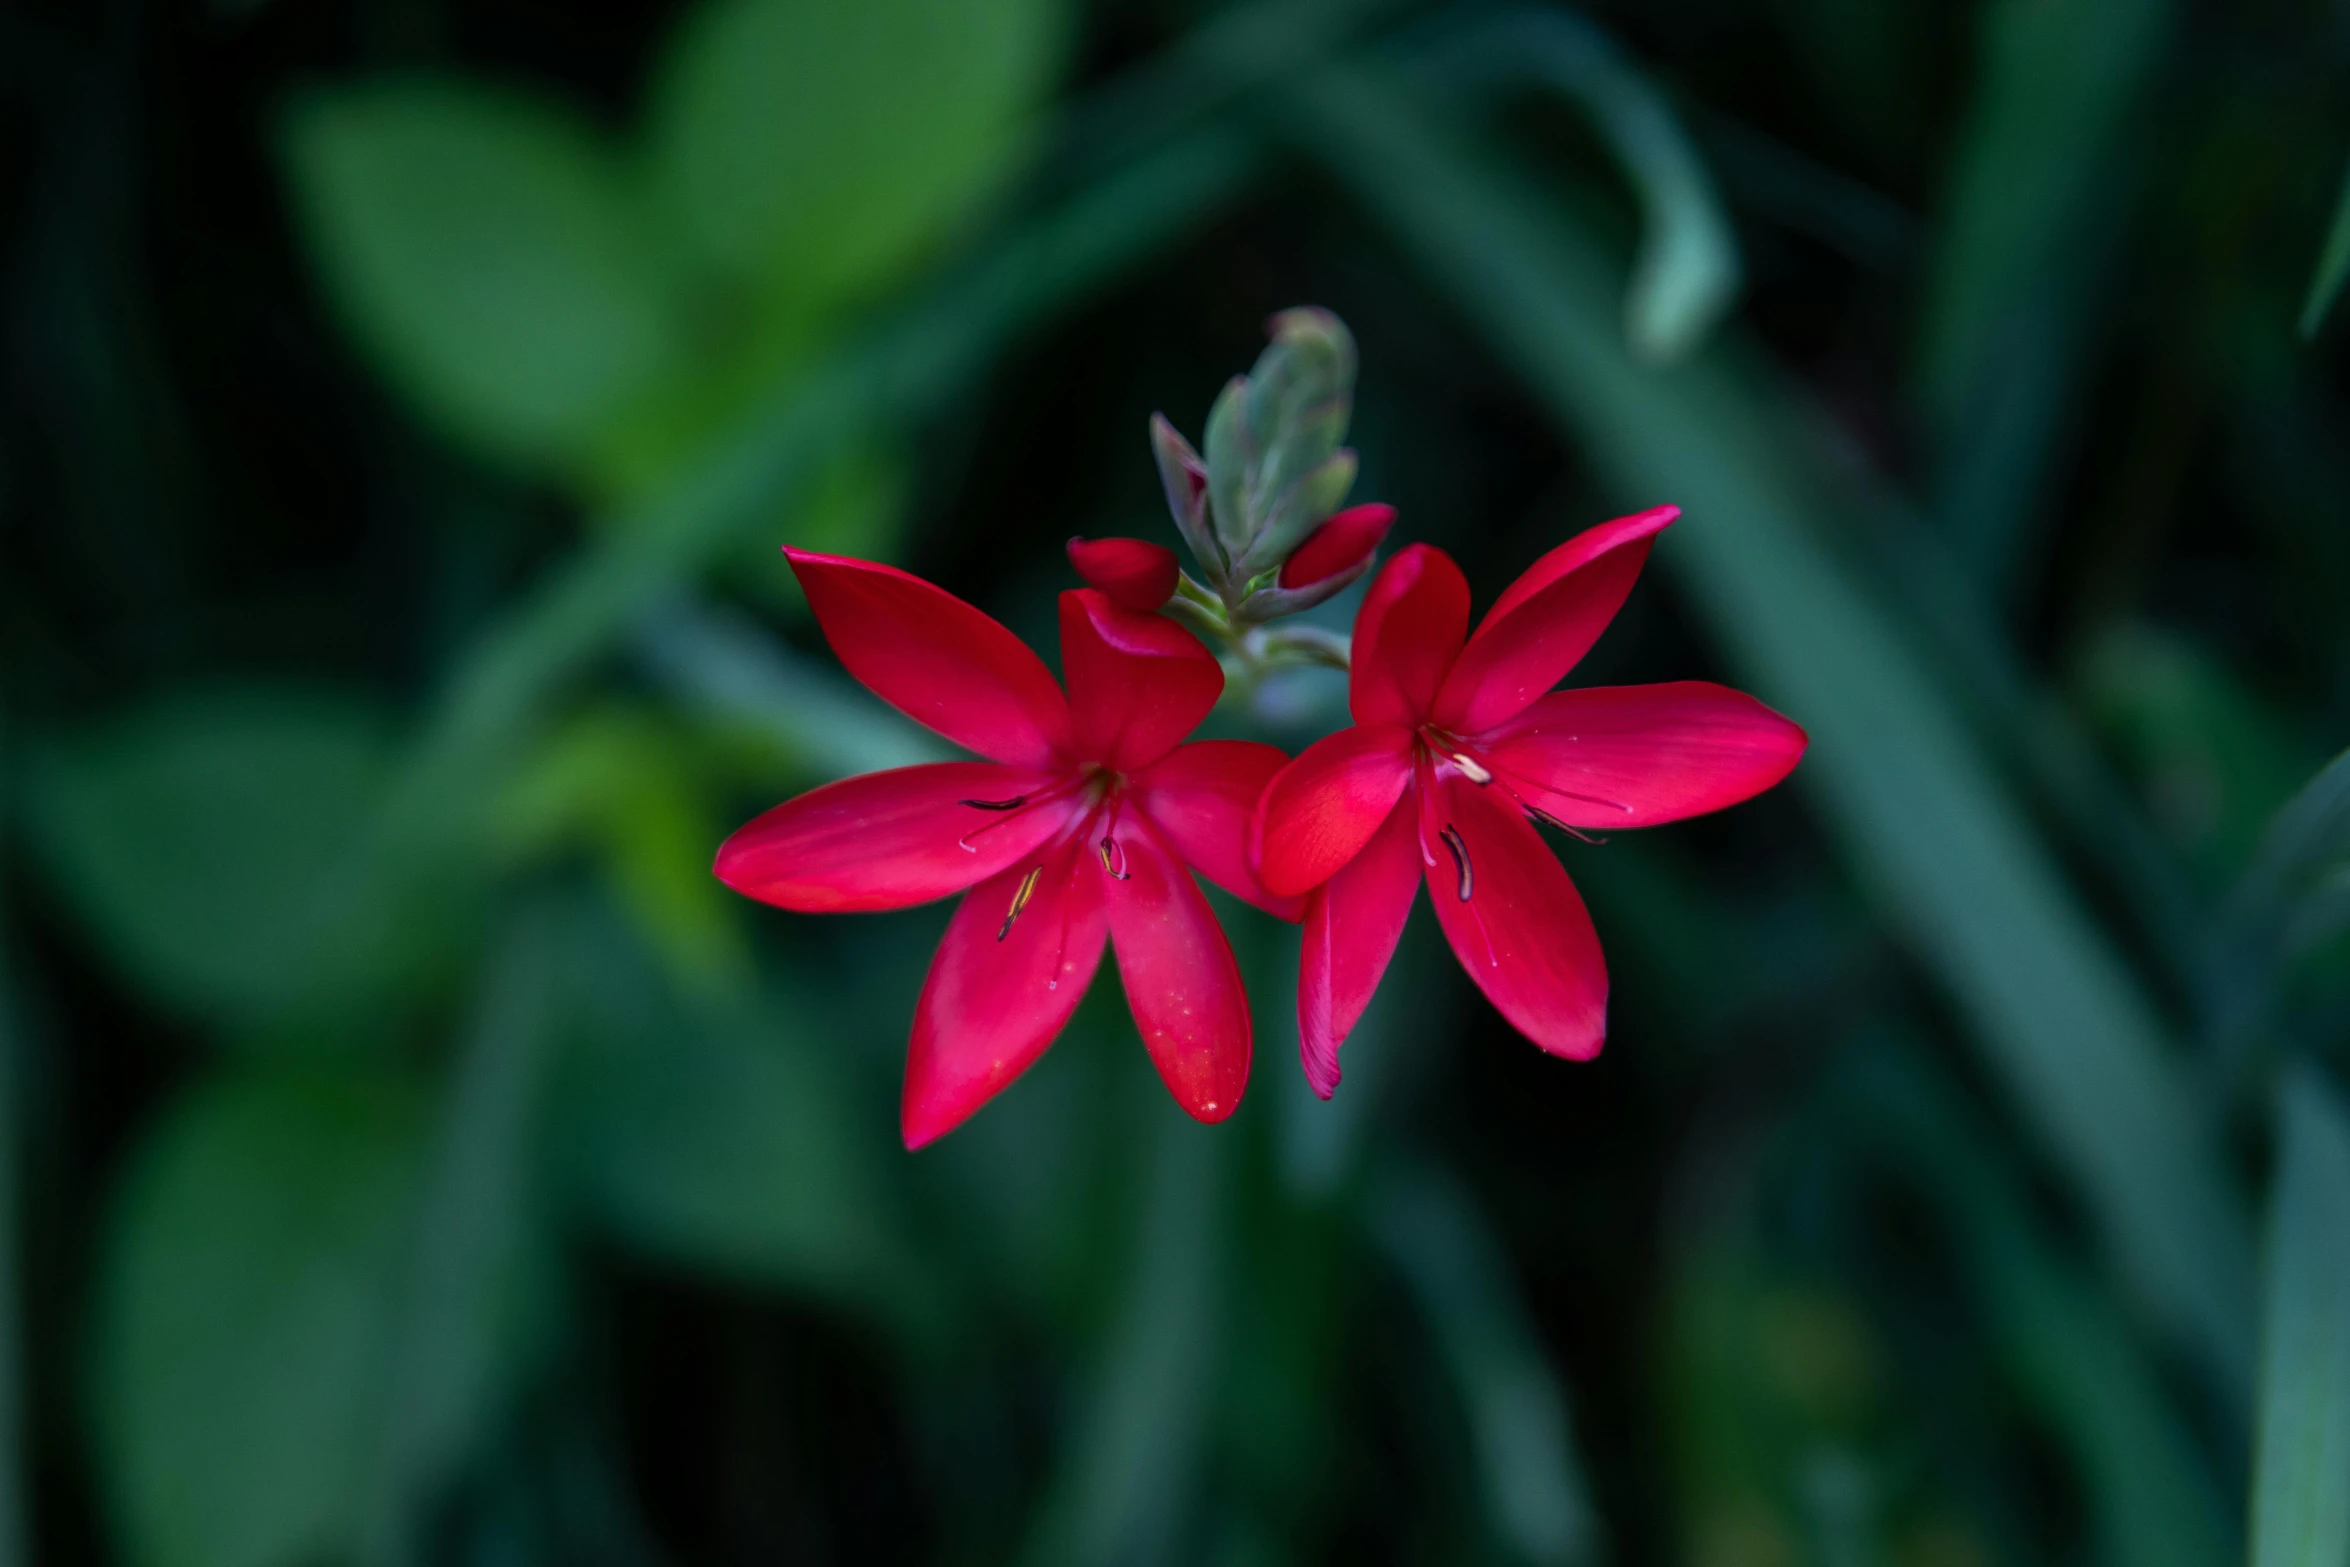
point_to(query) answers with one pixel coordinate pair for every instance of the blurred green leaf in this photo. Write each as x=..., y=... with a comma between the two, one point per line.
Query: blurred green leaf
x=730, y=671
x=631, y=784
x=735, y=1142
x=2289, y=898
x=1428, y=1225
x=495, y=257
x=821, y=149
x=196, y=837
x=1919, y=815
x=2060, y=86
x=1686, y=272
x=2333, y=267
x=1125, y=1487
x=250, y=1284
x=2029, y=229
x=474, y=1297
x=2152, y=1497
x=2301, y=1463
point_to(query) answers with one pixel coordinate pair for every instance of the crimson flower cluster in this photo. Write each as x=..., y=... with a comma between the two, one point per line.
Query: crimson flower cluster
x=1084, y=824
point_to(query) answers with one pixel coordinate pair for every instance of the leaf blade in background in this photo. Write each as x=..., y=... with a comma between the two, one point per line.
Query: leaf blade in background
x=2255, y=935
x=251, y=1266
x=731, y=1137
x=465, y=1295
x=2301, y=1458
x=492, y=254
x=2333, y=268
x=1535, y=1493
x=2152, y=1497
x=2031, y=216
x=1913, y=807
x=821, y=149
x=194, y=837
x=1686, y=272
x=1122, y=1489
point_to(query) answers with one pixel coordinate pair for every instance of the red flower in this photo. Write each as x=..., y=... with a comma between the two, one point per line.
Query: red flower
x=1075, y=832
x=1134, y=572
x=1455, y=746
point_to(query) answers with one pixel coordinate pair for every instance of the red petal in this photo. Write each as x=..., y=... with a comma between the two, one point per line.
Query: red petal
x=1633, y=756
x=889, y=840
x=1137, y=683
x=1134, y=572
x=1352, y=925
x=1202, y=797
x=1521, y=931
x=1321, y=809
x=936, y=659
x=996, y=996
x=1339, y=544
x=1545, y=622
x=1181, y=981
x=1406, y=636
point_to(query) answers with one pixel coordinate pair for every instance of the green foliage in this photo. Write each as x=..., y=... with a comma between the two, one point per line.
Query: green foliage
x=819, y=151
x=2301, y=1463
x=2333, y=268
x=600, y=311
x=1531, y=1478
x=255, y=1267
x=740, y=1144
x=494, y=255
x=200, y=837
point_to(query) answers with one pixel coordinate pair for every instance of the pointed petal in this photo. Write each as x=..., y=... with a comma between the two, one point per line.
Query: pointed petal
x=1546, y=621
x=890, y=840
x=1352, y=925
x=1341, y=544
x=1137, y=683
x=1182, y=983
x=1634, y=756
x=1135, y=573
x=1321, y=809
x=1406, y=636
x=936, y=659
x=1514, y=919
x=999, y=992
x=1203, y=797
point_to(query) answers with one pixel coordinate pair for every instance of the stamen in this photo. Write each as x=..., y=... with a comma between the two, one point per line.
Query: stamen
x=1020, y=900
x=1471, y=770
x=1118, y=871
x=1548, y=820
x=1460, y=858
x=1013, y=804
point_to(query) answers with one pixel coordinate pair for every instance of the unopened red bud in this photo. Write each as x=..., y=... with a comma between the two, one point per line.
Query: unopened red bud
x=1339, y=545
x=1133, y=572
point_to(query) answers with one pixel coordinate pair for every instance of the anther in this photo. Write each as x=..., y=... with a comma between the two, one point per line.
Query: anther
x=1117, y=870
x=1460, y=858
x=1572, y=831
x=1019, y=901
x=1471, y=769
x=1013, y=804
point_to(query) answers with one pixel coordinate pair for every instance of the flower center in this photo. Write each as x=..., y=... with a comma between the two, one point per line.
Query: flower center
x=1105, y=793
